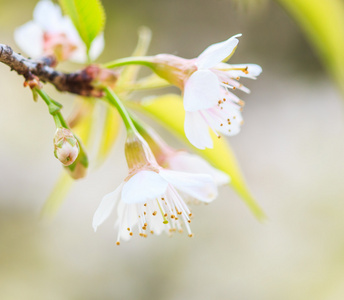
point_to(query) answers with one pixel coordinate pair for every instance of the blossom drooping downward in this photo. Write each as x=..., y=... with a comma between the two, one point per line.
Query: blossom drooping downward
x=50, y=33
x=149, y=200
x=207, y=85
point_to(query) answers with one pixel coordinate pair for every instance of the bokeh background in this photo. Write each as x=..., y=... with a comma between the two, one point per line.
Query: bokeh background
x=290, y=150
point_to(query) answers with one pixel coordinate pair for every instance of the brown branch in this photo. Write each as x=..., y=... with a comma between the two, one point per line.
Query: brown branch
x=81, y=82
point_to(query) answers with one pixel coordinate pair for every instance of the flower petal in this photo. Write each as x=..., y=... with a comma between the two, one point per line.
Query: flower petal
x=97, y=46
x=143, y=186
x=191, y=163
x=29, y=37
x=199, y=186
x=253, y=70
x=216, y=53
x=48, y=16
x=196, y=130
x=202, y=91
x=106, y=206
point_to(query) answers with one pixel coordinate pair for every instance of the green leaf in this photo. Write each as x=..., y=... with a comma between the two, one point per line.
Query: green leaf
x=169, y=111
x=88, y=17
x=57, y=195
x=323, y=23
x=111, y=129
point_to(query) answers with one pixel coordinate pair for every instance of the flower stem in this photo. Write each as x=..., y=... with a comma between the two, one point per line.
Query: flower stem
x=116, y=102
x=135, y=60
x=54, y=109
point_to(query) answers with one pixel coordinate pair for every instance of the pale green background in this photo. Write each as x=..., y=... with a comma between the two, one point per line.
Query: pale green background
x=290, y=150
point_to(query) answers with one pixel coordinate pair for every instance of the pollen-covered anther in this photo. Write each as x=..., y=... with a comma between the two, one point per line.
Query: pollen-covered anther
x=118, y=243
x=152, y=232
x=145, y=204
x=131, y=234
x=173, y=216
x=221, y=124
x=191, y=235
x=141, y=234
x=165, y=215
x=128, y=229
x=144, y=227
x=154, y=213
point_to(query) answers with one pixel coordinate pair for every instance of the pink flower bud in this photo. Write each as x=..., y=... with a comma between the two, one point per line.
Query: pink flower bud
x=66, y=146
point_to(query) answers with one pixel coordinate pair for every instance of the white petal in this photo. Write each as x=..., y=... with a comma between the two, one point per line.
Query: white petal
x=80, y=55
x=143, y=186
x=127, y=217
x=202, y=90
x=199, y=186
x=97, y=46
x=216, y=53
x=186, y=162
x=253, y=70
x=48, y=15
x=196, y=130
x=106, y=206
x=29, y=37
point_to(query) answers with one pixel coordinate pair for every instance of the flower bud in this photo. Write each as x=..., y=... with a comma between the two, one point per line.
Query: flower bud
x=66, y=146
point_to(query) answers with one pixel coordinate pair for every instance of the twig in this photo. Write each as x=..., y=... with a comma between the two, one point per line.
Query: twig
x=80, y=82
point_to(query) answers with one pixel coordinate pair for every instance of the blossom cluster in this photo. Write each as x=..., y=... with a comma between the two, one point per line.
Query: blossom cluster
x=162, y=182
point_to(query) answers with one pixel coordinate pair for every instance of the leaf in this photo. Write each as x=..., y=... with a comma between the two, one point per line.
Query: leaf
x=323, y=23
x=57, y=195
x=111, y=129
x=88, y=17
x=169, y=111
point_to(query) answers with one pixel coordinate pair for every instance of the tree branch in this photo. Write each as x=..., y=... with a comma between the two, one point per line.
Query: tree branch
x=80, y=82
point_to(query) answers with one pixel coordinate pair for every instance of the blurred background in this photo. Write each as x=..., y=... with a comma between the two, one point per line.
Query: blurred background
x=290, y=151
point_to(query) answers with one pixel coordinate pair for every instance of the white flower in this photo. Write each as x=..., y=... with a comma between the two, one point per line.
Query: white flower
x=51, y=33
x=149, y=198
x=207, y=83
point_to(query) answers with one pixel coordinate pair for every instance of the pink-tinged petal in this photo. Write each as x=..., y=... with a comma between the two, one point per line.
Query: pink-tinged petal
x=29, y=38
x=191, y=163
x=48, y=16
x=202, y=91
x=216, y=53
x=106, y=206
x=143, y=186
x=199, y=186
x=196, y=130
